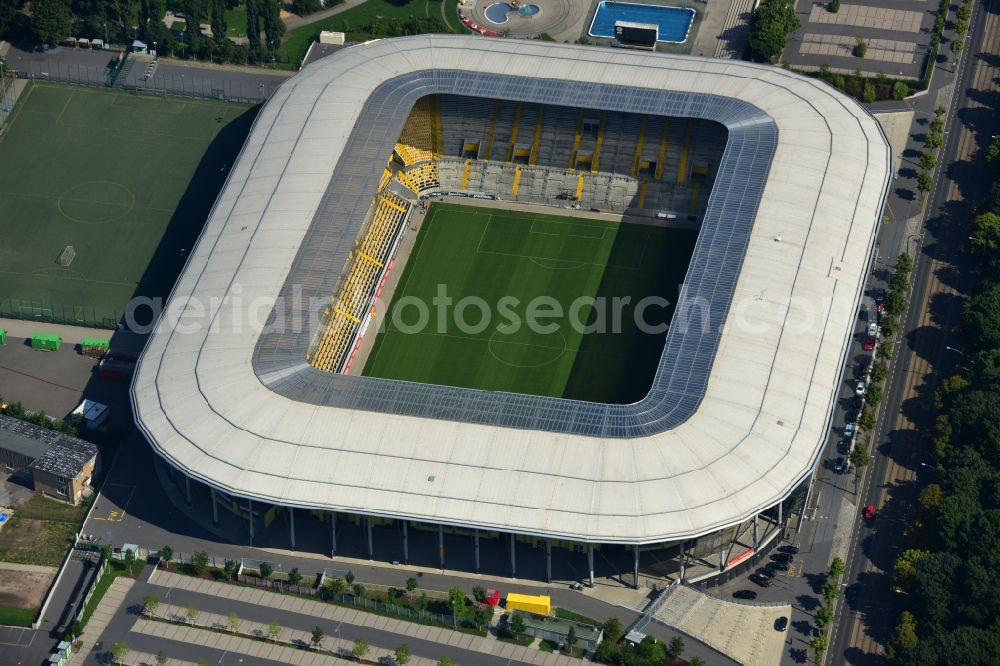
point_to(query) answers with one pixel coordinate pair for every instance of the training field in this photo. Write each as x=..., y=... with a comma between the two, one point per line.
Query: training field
x=500, y=256
x=126, y=180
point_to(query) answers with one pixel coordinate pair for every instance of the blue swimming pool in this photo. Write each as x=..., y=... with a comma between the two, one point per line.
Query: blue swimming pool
x=674, y=22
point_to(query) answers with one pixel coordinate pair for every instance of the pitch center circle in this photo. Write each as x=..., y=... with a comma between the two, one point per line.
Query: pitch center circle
x=527, y=348
x=96, y=202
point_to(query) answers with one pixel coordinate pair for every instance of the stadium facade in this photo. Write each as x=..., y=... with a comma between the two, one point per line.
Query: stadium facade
x=741, y=403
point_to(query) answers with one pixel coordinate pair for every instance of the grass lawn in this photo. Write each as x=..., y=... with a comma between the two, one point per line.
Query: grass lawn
x=126, y=180
x=44, y=508
x=236, y=22
x=575, y=617
x=17, y=617
x=515, y=261
x=31, y=541
x=354, y=22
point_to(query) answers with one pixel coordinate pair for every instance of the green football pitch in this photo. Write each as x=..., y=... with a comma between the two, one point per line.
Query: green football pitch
x=527, y=271
x=127, y=181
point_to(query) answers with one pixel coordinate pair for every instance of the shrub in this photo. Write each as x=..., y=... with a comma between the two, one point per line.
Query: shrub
x=860, y=47
x=900, y=90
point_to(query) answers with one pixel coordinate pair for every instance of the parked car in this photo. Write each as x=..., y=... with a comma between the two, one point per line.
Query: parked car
x=848, y=430
x=872, y=330
x=869, y=343
x=791, y=549
x=840, y=465
x=766, y=573
x=844, y=447
x=859, y=389
x=781, y=623
x=744, y=594
x=778, y=566
x=758, y=579
x=782, y=557
x=870, y=512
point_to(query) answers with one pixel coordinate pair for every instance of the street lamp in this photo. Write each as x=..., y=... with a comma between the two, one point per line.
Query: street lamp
x=957, y=351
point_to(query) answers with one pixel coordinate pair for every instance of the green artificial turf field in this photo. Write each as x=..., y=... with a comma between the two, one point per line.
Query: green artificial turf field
x=495, y=254
x=126, y=180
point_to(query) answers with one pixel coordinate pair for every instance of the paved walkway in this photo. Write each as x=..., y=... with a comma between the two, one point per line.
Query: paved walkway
x=19, y=328
x=32, y=568
x=105, y=610
x=331, y=612
x=741, y=631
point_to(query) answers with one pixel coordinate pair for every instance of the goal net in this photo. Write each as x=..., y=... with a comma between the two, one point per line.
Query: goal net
x=67, y=256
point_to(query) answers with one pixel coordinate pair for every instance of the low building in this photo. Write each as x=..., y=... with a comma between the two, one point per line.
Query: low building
x=55, y=464
x=556, y=630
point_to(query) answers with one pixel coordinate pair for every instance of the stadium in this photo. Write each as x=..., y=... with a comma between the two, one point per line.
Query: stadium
x=284, y=387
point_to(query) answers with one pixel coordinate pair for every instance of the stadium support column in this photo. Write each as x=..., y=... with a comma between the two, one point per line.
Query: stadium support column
x=683, y=561
x=513, y=556
x=781, y=515
x=548, y=560
x=187, y=488
x=333, y=534
x=371, y=547
x=441, y=546
x=291, y=524
x=250, y=517
x=406, y=543
x=756, y=541
x=215, y=508
x=590, y=562
x=636, y=549
x=475, y=541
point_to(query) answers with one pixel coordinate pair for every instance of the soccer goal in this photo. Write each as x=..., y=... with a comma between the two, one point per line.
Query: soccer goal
x=67, y=256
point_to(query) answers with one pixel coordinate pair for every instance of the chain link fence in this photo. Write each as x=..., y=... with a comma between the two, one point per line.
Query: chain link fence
x=240, y=87
x=57, y=313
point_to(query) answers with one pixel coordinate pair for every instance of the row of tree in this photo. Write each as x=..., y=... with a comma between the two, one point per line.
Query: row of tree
x=951, y=571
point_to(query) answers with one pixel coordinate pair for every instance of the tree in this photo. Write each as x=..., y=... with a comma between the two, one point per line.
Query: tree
x=129, y=557
x=149, y=604
x=992, y=152
x=860, y=47
x=933, y=141
x=317, y=637
x=829, y=591
x=305, y=7
x=294, y=577
x=904, y=637
x=823, y=616
x=336, y=586
x=456, y=601
x=273, y=630
x=879, y=373
x=233, y=622
x=928, y=161
x=349, y=577
x=229, y=569
x=166, y=554
x=900, y=90
x=936, y=126
x=939, y=111
x=411, y=584
x=924, y=182
x=905, y=566
x=191, y=613
x=613, y=629
x=931, y=496
x=446, y=661
x=818, y=645
x=75, y=629
x=956, y=46
x=837, y=568
x=986, y=240
x=873, y=395
x=161, y=658
x=219, y=27
x=981, y=319
x=571, y=638
x=479, y=594
x=516, y=623
x=867, y=420
x=421, y=603
x=119, y=651
x=360, y=649
x=402, y=655
x=253, y=30
x=696, y=661
x=51, y=21
x=835, y=6
x=199, y=562
x=265, y=570
x=770, y=27
x=675, y=648
x=859, y=456
x=359, y=590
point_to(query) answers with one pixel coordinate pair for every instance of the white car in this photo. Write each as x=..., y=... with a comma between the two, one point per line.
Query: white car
x=872, y=330
x=860, y=389
x=848, y=430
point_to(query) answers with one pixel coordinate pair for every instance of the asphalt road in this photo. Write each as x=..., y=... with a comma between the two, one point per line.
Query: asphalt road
x=900, y=470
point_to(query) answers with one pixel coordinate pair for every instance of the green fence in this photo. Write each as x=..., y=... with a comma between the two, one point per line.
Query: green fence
x=56, y=313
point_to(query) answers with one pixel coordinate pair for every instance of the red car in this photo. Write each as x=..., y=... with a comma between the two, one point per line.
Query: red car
x=869, y=343
x=870, y=512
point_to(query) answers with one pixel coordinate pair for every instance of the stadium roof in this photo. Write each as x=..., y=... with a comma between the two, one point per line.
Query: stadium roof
x=739, y=409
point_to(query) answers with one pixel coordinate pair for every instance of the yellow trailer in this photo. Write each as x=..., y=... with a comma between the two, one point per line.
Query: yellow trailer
x=539, y=604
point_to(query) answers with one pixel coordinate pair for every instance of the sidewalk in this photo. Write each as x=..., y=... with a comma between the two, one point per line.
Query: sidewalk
x=316, y=609
x=105, y=610
x=31, y=568
x=20, y=328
